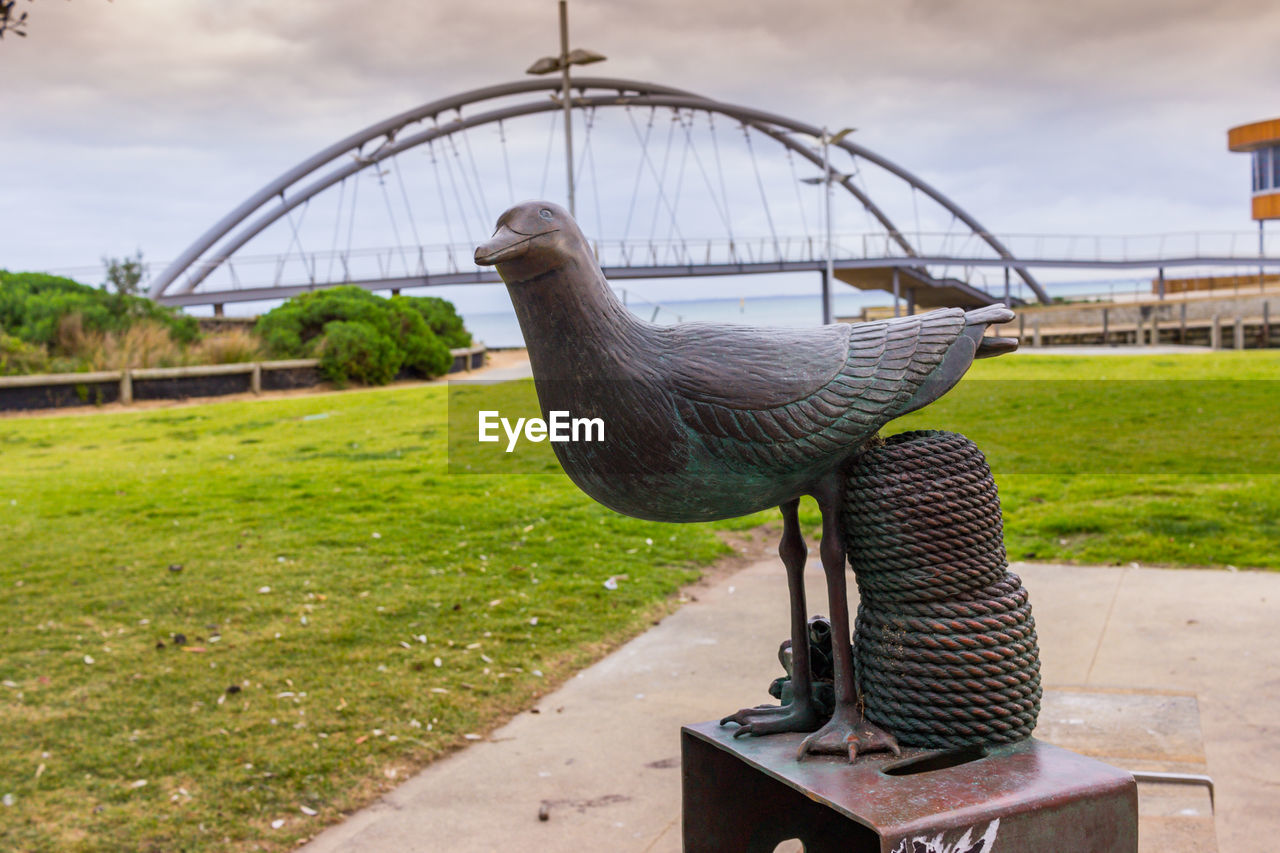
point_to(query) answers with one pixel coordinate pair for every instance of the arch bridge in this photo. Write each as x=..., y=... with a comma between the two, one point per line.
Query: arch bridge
x=670, y=184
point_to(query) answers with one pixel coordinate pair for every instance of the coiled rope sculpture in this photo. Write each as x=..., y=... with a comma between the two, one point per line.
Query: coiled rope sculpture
x=945, y=645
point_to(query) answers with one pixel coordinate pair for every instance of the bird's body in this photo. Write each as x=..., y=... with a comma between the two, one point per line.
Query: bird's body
x=707, y=421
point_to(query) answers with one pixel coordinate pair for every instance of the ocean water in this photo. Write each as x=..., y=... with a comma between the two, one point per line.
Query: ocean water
x=500, y=328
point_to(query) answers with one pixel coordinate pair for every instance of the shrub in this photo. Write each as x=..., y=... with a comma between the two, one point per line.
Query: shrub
x=18, y=356
x=294, y=329
x=441, y=316
x=357, y=351
x=424, y=353
x=33, y=305
x=300, y=328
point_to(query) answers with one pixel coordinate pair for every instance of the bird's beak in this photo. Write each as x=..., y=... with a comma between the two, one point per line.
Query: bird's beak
x=504, y=245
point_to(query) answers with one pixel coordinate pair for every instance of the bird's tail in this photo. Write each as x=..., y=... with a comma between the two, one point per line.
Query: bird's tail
x=990, y=315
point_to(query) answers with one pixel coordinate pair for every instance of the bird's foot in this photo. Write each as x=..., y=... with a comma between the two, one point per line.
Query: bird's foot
x=772, y=719
x=848, y=733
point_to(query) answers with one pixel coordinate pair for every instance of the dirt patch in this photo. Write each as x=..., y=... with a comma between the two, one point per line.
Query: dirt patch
x=505, y=358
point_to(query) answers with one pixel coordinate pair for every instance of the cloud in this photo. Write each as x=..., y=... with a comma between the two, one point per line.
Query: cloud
x=141, y=122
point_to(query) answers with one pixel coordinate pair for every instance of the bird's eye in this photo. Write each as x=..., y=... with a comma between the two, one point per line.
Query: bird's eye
x=544, y=213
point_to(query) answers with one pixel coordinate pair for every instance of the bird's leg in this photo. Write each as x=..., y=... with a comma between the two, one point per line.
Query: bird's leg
x=847, y=733
x=799, y=715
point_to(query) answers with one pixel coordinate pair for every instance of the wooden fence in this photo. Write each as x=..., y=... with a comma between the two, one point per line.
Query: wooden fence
x=55, y=390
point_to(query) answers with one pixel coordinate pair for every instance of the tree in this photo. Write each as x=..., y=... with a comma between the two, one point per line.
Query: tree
x=124, y=275
x=10, y=21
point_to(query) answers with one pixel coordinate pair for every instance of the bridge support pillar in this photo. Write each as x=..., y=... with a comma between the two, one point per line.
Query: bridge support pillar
x=826, y=299
x=395, y=291
x=1215, y=332
x=897, y=295
x=911, y=302
x=217, y=309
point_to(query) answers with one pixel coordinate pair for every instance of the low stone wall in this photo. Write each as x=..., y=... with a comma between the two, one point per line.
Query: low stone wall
x=58, y=390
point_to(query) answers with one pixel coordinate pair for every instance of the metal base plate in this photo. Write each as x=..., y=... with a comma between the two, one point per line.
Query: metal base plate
x=750, y=794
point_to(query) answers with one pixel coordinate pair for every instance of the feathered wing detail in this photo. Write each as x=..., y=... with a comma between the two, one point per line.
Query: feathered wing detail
x=871, y=382
x=749, y=367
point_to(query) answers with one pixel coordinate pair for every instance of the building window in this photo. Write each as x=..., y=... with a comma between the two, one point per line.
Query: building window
x=1261, y=169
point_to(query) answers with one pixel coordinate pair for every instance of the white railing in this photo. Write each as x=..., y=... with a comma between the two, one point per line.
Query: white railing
x=946, y=248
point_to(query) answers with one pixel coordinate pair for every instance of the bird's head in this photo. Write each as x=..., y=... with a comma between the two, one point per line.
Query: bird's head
x=532, y=238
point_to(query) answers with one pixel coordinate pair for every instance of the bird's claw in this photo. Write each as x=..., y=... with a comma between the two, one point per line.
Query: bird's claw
x=772, y=719
x=848, y=734
x=741, y=717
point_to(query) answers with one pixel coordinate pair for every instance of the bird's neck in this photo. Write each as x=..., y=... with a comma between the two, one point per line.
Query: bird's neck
x=573, y=325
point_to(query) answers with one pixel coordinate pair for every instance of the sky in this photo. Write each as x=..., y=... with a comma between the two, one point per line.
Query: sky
x=135, y=124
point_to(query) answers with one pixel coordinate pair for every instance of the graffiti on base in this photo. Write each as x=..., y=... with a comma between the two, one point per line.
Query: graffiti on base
x=966, y=843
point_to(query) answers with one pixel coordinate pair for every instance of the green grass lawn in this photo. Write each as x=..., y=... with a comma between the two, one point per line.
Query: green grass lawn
x=350, y=610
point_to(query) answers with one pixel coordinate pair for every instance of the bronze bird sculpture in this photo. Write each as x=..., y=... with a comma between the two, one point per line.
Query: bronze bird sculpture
x=707, y=421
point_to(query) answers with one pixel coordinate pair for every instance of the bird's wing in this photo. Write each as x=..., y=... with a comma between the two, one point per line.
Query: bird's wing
x=752, y=367
x=803, y=418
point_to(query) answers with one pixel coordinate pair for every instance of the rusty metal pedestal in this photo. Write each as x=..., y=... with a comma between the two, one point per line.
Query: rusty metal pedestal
x=750, y=794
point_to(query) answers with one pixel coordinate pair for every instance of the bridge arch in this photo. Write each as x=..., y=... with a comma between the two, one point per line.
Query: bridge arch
x=367, y=148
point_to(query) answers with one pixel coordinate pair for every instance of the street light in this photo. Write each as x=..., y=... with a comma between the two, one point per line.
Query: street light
x=828, y=139
x=561, y=63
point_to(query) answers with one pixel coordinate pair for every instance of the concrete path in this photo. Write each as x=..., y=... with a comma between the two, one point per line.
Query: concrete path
x=600, y=757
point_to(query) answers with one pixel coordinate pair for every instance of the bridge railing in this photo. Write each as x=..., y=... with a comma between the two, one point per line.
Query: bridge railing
x=690, y=255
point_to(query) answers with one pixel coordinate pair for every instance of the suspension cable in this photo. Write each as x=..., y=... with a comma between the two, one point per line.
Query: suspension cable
x=337, y=225
x=297, y=240
x=444, y=205
x=462, y=173
x=506, y=163
x=546, y=162
x=644, y=158
x=351, y=221
x=724, y=194
x=453, y=183
x=795, y=179
x=589, y=156
x=404, y=193
x=684, y=161
x=380, y=174
x=662, y=179
x=485, y=217
x=764, y=199
x=706, y=178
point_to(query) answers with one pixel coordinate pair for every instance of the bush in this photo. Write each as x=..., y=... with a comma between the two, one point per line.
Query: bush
x=424, y=353
x=300, y=328
x=441, y=316
x=18, y=356
x=33, y=307
x=356, y=351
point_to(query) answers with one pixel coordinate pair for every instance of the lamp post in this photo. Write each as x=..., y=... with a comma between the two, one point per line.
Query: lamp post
x=828, y=139
x=561, y=63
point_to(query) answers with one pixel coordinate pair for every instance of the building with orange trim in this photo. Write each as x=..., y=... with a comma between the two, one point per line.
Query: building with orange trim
x=1262, y=140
